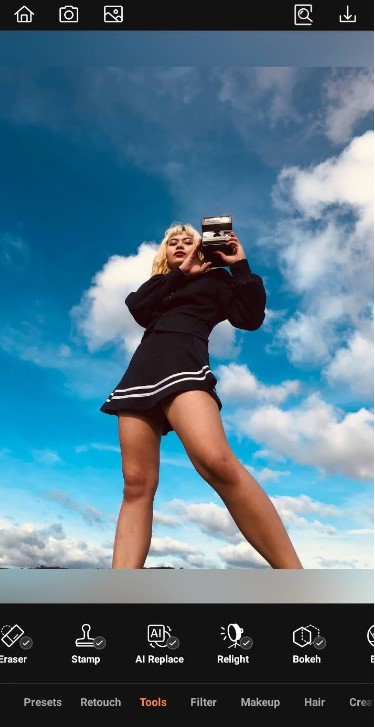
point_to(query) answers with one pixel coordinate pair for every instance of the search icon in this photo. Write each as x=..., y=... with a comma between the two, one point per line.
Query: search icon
x=302, y=14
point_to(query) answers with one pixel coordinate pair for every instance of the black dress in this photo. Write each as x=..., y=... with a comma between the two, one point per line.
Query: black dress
x=179, y=314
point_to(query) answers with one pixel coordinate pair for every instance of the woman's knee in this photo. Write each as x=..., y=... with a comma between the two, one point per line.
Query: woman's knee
x=139, y=482
x=216, y=466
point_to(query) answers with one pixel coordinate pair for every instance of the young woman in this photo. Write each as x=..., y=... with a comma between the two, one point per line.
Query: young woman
x=168, y=385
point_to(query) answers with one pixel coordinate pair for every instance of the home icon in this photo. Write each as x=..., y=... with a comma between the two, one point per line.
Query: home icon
x=24, y=15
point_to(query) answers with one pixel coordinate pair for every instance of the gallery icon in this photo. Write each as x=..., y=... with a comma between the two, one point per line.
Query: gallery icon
x=113, y=13
x=302, y=14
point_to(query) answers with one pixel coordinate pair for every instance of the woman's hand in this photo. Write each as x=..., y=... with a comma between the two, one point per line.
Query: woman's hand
x=192, y=265
x=235, y=250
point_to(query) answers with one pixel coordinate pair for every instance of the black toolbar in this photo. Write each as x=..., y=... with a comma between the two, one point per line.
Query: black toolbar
x=131, y=659
x=337, y=15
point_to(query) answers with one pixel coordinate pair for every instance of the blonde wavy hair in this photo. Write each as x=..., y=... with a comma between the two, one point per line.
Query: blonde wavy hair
x=160, y=264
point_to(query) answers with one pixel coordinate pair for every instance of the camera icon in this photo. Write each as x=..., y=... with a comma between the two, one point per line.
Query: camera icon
x=68, y=14
x=302, y=14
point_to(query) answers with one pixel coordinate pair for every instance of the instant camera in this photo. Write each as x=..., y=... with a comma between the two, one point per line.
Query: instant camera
x=215, y=233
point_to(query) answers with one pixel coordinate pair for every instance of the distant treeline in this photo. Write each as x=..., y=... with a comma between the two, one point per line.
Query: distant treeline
x=61, y=567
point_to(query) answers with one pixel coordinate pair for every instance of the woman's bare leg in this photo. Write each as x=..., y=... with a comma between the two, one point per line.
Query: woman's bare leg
x=195, y=417
x=139, y=437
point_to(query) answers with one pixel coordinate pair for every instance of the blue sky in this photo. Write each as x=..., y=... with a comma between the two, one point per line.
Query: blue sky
x=95, y=164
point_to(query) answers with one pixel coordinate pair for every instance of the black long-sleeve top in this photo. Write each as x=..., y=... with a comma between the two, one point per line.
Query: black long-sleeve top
x=195, y=305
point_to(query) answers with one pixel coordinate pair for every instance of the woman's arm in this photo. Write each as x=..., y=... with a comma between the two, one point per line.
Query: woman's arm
x=145, y=301
x=243, y=298
x=246, y=298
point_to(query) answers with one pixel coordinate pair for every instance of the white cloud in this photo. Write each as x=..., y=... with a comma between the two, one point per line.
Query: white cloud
x=163, y=519
x=242, y=556
x=91, y=515
x=46, y=456
x=102, y=316
x=27, y=546
x=258, y=94
x=215, y=521
x=345, y=180
x=13, y=250
x=266, y=474
x=353, y=365
x=64, y=351
x=315, y=434
x=211, y=519
x=325, y=248
x=175, y=461
x=237, y=383
x=296, y=510
x=273, y=316
x=268, y=455
x=101, y=447
x=223, y=341
x=349, y=98
x=169, y=546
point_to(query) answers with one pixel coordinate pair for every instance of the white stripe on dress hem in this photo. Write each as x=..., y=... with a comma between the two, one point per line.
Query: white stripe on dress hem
x=152, y=386
x=171, y=383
